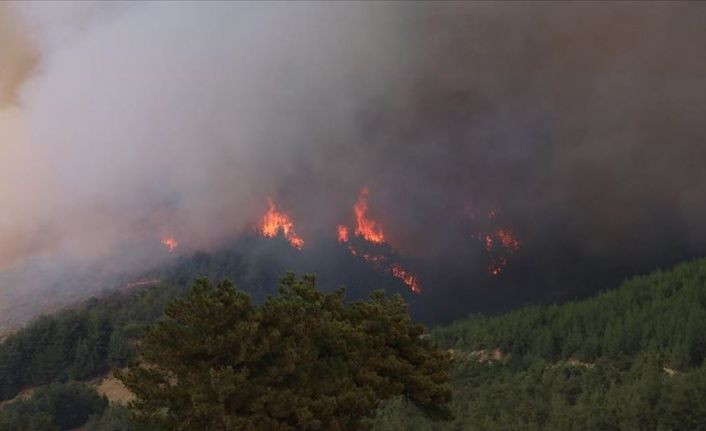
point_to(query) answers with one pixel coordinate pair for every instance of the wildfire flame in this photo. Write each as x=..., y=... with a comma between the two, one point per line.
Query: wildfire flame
x=494, y=269
x=508, y=240
x=342, y=233
x=488, y=242
x=273, y=222
x=500, y=244
x=170, y=243
x=368, y=229
x=409, y=279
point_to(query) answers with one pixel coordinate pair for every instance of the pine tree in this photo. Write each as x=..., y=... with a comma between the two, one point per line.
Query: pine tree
x=119, y=349
x=302, y=360
x=84, y=362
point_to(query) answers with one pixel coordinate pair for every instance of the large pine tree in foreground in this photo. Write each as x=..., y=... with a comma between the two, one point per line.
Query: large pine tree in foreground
x=302, y=360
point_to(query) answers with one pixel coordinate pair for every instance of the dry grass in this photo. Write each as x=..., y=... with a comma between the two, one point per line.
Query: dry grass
x=23, y=395
x=113, y=389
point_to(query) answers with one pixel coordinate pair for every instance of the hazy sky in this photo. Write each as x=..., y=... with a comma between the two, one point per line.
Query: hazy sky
x=581, y=123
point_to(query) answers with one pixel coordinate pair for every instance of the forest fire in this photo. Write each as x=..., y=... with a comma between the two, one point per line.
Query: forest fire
x=488, y=242
x=365, y=239
x=407, y=278
x=170, y=243
x=508, y=240
x=342, y=233
x=274, y=222
x=500, y=244
x=370, y=231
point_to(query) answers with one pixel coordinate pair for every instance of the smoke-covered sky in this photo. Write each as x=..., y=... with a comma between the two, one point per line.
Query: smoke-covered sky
x=581, y=124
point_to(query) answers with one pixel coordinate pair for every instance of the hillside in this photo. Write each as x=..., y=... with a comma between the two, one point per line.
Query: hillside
x=629, y=359
x=84, y=342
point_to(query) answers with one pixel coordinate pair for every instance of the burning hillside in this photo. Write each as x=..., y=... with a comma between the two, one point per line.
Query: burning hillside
x=366, y=228
x=275, y=222
x=368, y=240
x=170, y=243
x=369, y=233
x=106, y=145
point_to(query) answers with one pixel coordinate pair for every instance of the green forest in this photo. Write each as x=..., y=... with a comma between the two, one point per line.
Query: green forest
x=628, y=359
x=631, y=358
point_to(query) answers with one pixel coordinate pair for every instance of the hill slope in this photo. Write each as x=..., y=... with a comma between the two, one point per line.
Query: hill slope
x=631, y=358
x=86, y=341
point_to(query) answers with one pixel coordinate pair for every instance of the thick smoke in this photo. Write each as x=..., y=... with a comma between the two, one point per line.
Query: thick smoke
x=579, y=123
x=179, y=118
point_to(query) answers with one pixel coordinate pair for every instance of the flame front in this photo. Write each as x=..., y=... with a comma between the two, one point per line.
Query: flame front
x=170, y=243
x=274, y=222
x=407, y=278
x=368, y=229
x=500, y=244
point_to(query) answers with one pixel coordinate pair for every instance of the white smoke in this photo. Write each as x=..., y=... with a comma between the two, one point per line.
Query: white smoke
x=140, y=119
x=581, y=123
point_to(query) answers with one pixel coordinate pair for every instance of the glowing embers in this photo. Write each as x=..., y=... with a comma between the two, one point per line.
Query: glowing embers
x=273, y=222
x=410, y=280
x=500, y=244
x=368, y=243
x=170, y=243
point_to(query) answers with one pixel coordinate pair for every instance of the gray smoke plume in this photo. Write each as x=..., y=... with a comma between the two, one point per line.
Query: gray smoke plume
x=580, y=124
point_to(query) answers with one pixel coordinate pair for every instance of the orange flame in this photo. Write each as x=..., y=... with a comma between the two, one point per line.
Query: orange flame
x=342, y=233
x=170, y=243
x=500, y=244
x=371, y=231
x=508, y=240
x=407, y=278
x=274, y=222
x=488, y=242
x=368, y=229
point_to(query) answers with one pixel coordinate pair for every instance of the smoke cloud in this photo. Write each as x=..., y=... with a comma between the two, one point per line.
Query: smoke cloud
x=580, y=124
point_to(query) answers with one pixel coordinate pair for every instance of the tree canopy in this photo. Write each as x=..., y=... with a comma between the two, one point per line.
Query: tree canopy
x=57, y=407
x=633, y=358
x=301, y=360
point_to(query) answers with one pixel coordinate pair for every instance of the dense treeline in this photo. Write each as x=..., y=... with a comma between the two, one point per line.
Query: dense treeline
x=72, y=345
x=59, y=406
x=664, y=312
x=87, y=341
x=115, y=418
x=78, y=344
x=628, y=359
x=565, y=397
x=631, y=358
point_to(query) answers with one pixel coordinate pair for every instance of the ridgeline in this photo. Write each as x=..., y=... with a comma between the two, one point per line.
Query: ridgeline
x=629, y=358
